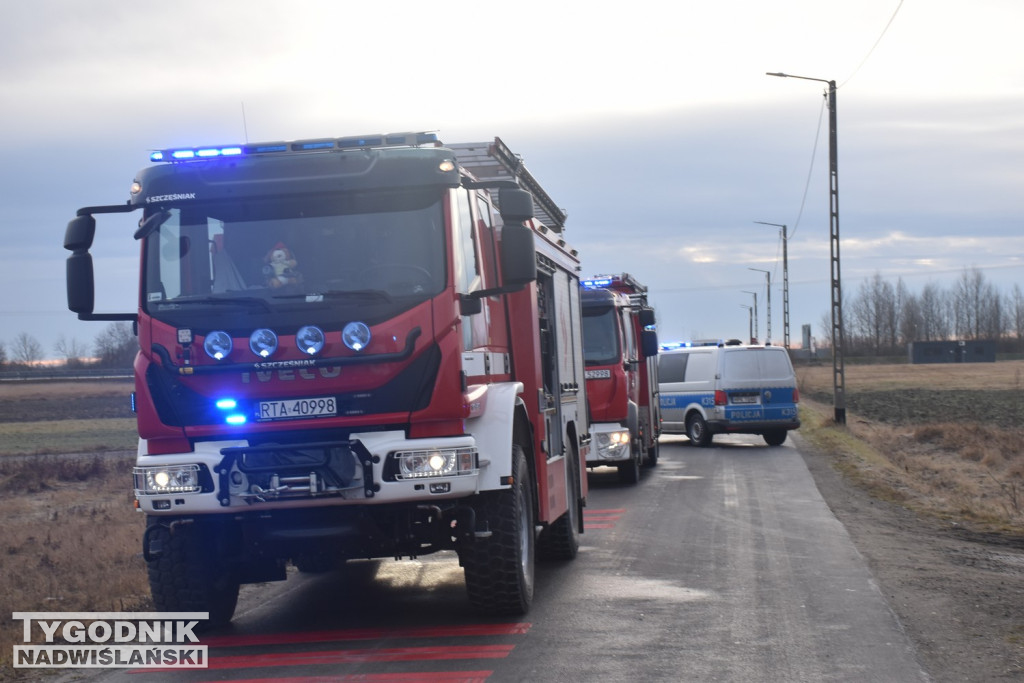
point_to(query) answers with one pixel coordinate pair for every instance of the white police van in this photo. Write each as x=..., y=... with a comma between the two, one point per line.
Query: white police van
x=728, y=389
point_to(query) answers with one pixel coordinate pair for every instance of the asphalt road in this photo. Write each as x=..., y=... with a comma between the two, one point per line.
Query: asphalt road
x=722, y=564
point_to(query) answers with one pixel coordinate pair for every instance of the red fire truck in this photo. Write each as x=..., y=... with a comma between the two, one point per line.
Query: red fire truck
x=350, y=348
x=620, y=348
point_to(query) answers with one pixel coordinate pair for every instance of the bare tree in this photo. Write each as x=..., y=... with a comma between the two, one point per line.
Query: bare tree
x=116, y=345
x=26, y=349
x=911, y=320
x=1017, y=313
x=3, y=354
x=935, y=314
x=71, y=351
x=874, y=315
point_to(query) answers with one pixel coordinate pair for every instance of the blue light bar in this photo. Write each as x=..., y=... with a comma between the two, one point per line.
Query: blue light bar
x=318, y=145
x=597, y=283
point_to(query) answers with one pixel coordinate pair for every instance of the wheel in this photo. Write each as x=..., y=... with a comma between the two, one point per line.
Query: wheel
x=499, y=569
x=186, y=573
x=652, y=454
x=776, y=437
x=561, y=540
x=629, y=472
x=697, y=430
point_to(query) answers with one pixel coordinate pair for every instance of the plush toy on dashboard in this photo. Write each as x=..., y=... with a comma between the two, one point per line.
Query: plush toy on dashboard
x=281, y=267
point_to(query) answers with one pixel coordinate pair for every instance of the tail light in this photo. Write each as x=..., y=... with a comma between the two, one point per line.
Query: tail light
x=796, y=395
x=720, y=398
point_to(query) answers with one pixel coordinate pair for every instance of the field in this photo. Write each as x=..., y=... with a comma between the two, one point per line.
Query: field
x=944, y=439
x=927, y=476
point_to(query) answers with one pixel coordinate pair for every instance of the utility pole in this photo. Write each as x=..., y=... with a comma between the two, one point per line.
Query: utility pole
x=838, y=345
x=753, y=337
x=785, y=283
x=768, y=332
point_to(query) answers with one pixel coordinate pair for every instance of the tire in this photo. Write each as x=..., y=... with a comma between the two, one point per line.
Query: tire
x=697, y=430
x=629, y=472
x=652, y=455
x=561, y=540
x=500, y=569
x=187, y=575
x=776, y=437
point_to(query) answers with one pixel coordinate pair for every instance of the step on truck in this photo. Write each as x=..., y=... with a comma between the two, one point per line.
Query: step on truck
x=349, y=348
x=620, y=349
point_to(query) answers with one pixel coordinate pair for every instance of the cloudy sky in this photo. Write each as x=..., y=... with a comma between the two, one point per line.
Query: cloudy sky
x=652, y=123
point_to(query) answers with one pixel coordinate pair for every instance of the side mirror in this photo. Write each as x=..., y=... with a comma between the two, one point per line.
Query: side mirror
x=80, y=233
x=518, y=256
x=649, y=342
x=516, y=205
x=646, y=317
x=469, y=305
x=81, y=295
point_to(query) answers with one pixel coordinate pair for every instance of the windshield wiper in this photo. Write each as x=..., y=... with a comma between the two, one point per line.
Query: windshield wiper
x=219, y=301
x=363, y=295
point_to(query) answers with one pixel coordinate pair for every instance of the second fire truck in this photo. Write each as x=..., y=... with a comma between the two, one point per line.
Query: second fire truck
x=620, y=348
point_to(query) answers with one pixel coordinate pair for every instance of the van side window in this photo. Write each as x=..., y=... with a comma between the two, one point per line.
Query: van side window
x=701, y=367
x=672, y=367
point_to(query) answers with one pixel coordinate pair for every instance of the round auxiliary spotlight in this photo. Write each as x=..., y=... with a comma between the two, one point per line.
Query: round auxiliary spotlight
x=356, y=336
x=263, y=342
x=310, y=339
x=218, y=344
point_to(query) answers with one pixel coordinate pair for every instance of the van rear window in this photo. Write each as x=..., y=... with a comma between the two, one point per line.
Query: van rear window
x=775, y=365
x=740, y=364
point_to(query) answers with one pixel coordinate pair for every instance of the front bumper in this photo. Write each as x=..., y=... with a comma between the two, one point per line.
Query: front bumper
x=234, y=476
x=609, y=444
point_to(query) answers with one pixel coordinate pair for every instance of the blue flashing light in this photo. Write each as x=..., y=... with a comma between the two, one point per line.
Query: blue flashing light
x=362, y=142
x=597, y=283
x=227, y=403
x=236, y=419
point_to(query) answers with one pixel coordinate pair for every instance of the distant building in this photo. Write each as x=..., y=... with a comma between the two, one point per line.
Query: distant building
x=975, y=351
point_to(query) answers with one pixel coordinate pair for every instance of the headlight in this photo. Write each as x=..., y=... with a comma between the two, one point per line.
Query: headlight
x=356, y=336
x=217, y=344
x=153, y=481
x=310, y=339
x=263, y=342
x=441, y=462
x=612, y=445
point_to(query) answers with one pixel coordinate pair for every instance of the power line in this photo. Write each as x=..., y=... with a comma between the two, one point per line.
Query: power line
x=871, y=51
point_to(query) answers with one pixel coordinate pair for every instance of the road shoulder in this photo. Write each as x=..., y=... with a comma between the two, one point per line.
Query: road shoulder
x=958, y=592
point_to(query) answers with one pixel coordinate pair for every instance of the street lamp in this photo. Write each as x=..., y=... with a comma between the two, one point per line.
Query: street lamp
x=768, y=332
x=753, y=337
x=750, y=321
x=838, y=371
x=785, y=283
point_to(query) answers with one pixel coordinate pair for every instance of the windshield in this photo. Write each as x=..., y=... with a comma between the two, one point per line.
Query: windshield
x=383, y=249
x=600, y=336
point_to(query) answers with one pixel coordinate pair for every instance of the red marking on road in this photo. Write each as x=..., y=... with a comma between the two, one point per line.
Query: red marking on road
x=513, y=629
x=594, y=518
x=412, y=677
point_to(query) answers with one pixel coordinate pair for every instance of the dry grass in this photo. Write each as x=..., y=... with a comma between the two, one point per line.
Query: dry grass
x=70, y=541
x=64, y=389
x=947, y=460
x=68, y=436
